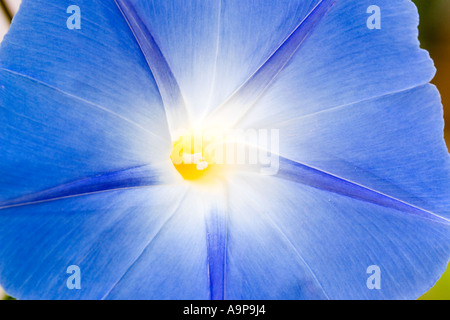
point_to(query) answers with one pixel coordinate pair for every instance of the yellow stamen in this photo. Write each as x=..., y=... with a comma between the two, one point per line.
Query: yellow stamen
x=193, y=157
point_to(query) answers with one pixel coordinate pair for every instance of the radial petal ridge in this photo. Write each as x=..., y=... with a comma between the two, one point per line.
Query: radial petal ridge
x=320, y=179
x=142, y=176
x=173, y=100
x=101, y=62
x=238, y=104
x=343, y=62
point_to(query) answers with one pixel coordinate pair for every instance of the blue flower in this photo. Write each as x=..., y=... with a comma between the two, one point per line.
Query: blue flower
x=356, y=206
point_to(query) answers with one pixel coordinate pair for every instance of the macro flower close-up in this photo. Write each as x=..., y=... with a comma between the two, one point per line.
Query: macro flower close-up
x=220, y=149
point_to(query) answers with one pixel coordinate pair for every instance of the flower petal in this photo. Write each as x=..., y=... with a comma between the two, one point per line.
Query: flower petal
x=289, y=240
x=344, y=62
x=242, y=100
x=393, y=145
x=214, y=46
x=261, y=262
x=92, y=232
x=174, y=265
x=100, y=63
x=52, y=138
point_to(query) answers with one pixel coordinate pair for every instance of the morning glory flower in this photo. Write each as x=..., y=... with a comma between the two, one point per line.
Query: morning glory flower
x=115, y=183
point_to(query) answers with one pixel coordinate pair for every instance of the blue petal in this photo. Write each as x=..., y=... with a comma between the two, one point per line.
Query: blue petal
x=101, y=63
x=261, y=262
x=351, y=109
x=372, y=188
x=103, y=234
x=52, y=138
x=344, y=62
x=242, y=100
x=214, y=46
x=175, y=264
x=289, y=240
x=393, y=144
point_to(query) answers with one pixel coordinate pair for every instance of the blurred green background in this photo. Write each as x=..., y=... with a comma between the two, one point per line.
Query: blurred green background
x=434, y=36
